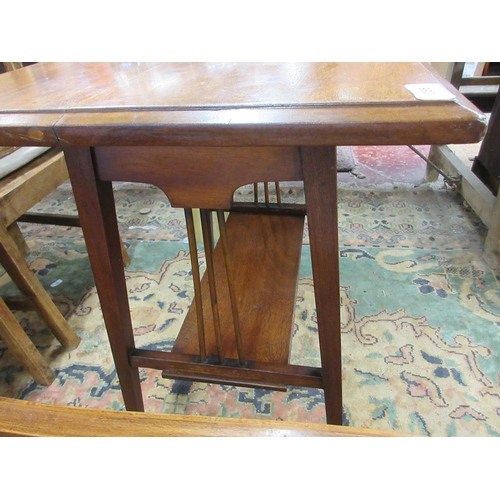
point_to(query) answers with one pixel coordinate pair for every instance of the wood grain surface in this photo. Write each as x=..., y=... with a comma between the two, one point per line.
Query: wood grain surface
x=24, y=418
x=265, y=252
x=229, y=104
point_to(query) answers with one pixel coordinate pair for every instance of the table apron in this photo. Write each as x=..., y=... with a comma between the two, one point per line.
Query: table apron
x=198, y=177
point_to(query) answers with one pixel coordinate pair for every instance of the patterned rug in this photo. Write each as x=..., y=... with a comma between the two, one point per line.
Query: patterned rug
x=420, y=312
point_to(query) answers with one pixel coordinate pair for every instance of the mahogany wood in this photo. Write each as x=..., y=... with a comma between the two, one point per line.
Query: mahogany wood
x=278, y=193
x=215, y=127
x=195, y=269
x=253, y=374
x=266, y=193
x=231, y=284
x=338, y=125
x=265, y=252
x=56, y=87
x=271, y=209
x=208, y=243
x=96, y=207
x=212, y=173
x=229, y=105
x=320, y=185
x=55, y=220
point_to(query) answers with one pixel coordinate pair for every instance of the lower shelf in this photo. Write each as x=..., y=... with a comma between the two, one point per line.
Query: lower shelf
x=265, y=252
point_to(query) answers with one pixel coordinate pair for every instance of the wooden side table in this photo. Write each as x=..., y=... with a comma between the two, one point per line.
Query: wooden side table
x=200, y=131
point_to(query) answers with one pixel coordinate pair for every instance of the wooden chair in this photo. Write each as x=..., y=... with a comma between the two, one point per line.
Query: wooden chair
x=20, y=190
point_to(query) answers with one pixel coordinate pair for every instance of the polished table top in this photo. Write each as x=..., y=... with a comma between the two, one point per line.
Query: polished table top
x=293, y=115
x=229, y=104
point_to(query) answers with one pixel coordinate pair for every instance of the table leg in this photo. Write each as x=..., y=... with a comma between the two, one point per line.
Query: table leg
x=319, y=168
x=96, y=208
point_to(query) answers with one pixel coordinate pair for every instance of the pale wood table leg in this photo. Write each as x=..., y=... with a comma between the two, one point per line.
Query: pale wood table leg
x=96, y=207
x=22, y=348
x=319, y=167
x=431, y=174
x=17, y=268
x=492, y=243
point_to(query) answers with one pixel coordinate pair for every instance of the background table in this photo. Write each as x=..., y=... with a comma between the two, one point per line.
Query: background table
x=199, y=131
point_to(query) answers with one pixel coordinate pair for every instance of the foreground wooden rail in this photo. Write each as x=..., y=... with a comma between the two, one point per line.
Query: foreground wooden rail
x=25, y=418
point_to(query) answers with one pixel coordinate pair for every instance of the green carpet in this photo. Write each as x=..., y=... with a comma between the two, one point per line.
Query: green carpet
x=420, y=313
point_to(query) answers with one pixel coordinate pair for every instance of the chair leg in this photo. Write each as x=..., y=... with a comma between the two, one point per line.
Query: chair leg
x=54, y=220
x=13, y=261
x=18, y=237
x=22, y=348
x=125, y=255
